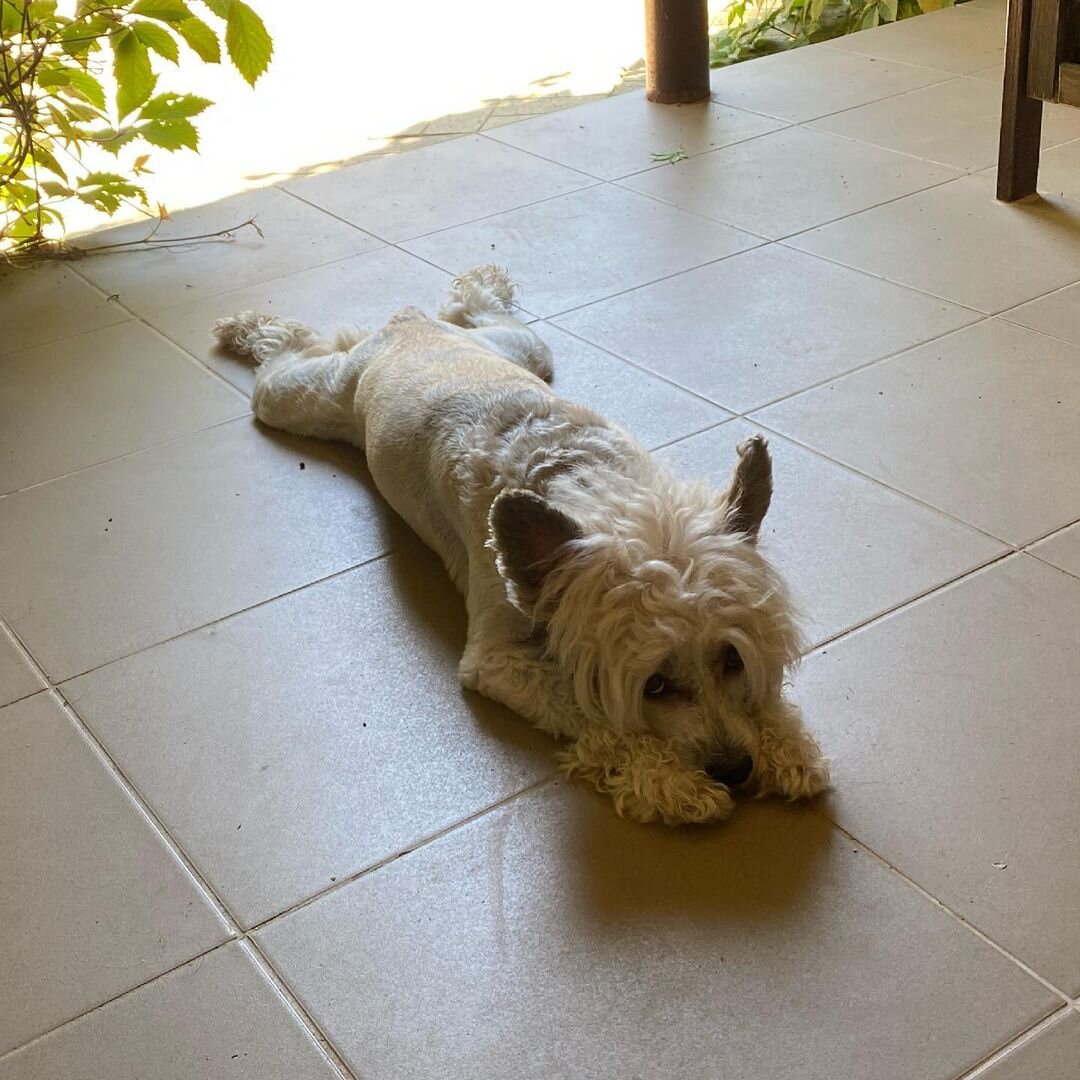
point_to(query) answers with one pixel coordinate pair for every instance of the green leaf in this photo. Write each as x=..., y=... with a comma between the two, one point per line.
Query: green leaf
x=112, y=140
x=43, y=156
x=56, y=76
x=11, y=16
x=248, y=41
x=87, y=87
x=172, y=106
x=85, y=114
x=170, y=11
x=131, y=66
x=170, y=134
x=201, y=38
x=83, y=36
x=219, y=7
x=157, y=38
x=55, y=190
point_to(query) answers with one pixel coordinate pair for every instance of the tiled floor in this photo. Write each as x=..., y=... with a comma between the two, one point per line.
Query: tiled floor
x=250, y=826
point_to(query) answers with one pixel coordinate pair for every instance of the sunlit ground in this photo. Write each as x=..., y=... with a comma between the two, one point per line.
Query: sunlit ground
x=352, y=77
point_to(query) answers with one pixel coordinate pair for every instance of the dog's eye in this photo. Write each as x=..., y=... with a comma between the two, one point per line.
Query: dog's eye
x=655, y=685
x=730, y=661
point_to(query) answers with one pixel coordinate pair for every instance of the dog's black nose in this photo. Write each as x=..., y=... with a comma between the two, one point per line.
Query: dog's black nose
x=729, y=771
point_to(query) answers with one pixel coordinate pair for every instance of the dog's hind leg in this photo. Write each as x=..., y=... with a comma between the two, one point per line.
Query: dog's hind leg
x=303, y=384
x=482, y=300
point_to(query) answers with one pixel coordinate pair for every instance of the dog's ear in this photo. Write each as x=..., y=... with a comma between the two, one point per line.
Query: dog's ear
x=747, y=500
x=528, y=536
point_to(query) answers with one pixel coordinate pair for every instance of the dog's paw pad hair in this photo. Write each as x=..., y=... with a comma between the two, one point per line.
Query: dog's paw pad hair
x=644, y=779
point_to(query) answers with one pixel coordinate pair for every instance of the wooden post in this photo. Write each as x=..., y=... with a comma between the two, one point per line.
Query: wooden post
x=676, y=50
x=1021, y=116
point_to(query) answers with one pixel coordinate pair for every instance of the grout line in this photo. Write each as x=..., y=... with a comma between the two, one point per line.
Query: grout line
x=412, y=846
x=883, y=277
x=888, y=487
x=118, y=997
x=1017, y=1041
x=1003, y=317
x=984, y=937
x=126, y=785
x=784, y=124
x=130, y=453
x=593, y=183
x=231, y=615
x=910, y=601
x=292, y=1002
x=747, y=413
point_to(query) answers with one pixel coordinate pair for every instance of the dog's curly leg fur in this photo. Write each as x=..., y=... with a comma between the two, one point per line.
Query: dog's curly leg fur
x=789, y=762
x=528, y=686
x=644, y=779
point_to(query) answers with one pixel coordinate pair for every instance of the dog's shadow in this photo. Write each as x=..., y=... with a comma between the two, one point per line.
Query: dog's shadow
x=755, y=867
x=758, y=866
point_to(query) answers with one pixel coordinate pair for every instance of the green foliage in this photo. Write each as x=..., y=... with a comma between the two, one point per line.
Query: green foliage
x=669, y=157
x=750, y=28
x=53, y=105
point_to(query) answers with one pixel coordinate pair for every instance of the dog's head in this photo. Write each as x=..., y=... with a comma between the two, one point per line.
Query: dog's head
x=658, y=605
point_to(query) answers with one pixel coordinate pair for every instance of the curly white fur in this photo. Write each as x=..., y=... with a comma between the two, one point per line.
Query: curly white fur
x=644, y=778
x=609, y=602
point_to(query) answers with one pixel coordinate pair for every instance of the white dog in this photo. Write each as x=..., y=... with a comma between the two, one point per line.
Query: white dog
x=608, y=602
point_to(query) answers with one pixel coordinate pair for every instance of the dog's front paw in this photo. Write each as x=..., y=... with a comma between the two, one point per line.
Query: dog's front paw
x=791, y=766
x=644, y=779
x=468, y=672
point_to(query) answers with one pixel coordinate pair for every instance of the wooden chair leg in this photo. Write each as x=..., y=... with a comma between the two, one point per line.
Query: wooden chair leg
x=1021, y=116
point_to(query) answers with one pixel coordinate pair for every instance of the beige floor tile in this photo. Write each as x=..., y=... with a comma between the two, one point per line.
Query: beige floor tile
x=47, y=301
x=1052, y=1054
x=814, y=81
x=86, y=399
x=462, y=123
x=217, y=1018
x=94, y=903
x=952, y=40
x=993, y=73
x=763, y=324
x=653, y=411
x=436, y=187
x=952, y=727
x=957, y=123
x=980, y=424
x=347, y=735
x=17, y=678
x=537, y=106
x=753, y=185
x=956, y=241
x=1057, y=313
x=296, y=236
x=1061, y=550
x=748, y=950
x=1059, y=170
x=99, y=564
x=619, y=135
x=364, y=291
x=849, y=548
x=585, y=246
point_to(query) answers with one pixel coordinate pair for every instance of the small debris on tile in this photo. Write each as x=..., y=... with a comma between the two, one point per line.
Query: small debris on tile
x=302, y=465
x=1000, y=865
x=115, y=297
